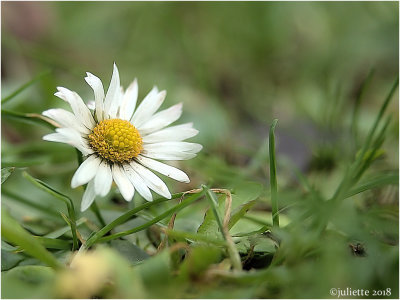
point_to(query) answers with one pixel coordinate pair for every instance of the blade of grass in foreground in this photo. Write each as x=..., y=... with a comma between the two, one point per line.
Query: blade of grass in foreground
x=42, y=208
x=30, y=118
x=51, y=243
x=212, y=199
x=272, y=177
x=378, y=181
x=13, y=232
x=68, y=202
x=164, y=215
x=357, y=104
x=6, y=172
x=124, y=218
x=24, y=86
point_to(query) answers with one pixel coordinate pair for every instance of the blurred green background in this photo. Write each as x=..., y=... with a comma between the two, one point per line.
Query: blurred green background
x=236, y=66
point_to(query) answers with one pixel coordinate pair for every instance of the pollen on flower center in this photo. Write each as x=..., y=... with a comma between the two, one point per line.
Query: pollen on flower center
x=116, y=140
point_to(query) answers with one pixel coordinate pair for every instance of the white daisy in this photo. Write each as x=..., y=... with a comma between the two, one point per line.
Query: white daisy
x=120, y=143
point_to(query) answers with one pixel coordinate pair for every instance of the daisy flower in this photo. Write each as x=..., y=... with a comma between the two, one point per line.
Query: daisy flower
x=121, y=143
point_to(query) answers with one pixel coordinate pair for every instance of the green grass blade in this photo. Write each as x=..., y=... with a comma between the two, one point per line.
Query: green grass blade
x=50, y=243
x=233, y=253
x=361, y=163
x=24, y=86
x=5, y=173
x=378, y=181
x=63, y=230
x=240, y=212
x=195, y=237
x=379, y=116
x=212, y=199
x=357, y=104
x=68, y=202
x=29, y=118
x=48, y=211
x=164, y=215
x=14, y=233
x=124, y=218
x=372, y=153
x=272, y=172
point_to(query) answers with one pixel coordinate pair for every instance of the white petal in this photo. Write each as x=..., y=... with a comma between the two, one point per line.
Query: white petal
x=169, y=156
x=88, y=196
x=148, y=107
x=71, y=137
x=164, y=169
x=114, y=109
x=97, y=86
x=129, y=101
x=124, y=185
x=151, y=180
x=79, y=108
x=161, y=119
x=138, y=182
x=112, y=96
x=86, y=171
x=170, y=147
x=66, y=119
x=91, y=105
x=173, y=133
x=103, y=179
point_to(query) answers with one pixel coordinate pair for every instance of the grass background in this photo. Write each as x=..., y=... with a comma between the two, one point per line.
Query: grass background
x=236, y=67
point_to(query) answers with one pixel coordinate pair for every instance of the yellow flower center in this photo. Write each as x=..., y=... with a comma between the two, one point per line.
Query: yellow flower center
x=116, y=140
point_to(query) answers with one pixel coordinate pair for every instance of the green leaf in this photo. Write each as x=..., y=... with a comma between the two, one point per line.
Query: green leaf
x=63, y=230
x=196, y=237
x=240, y=212
x=209, y=227
x=51, y=243
x=6, y=172
x=199, y=260
x=7, y=247
x=27, y=282
x=15, y=234
x=261, y=230
x=9, y=260
x=155, y=271
x=246, y=191
x=131, y=252
x=264, y=244
x=54, y=243
x=257, y=242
